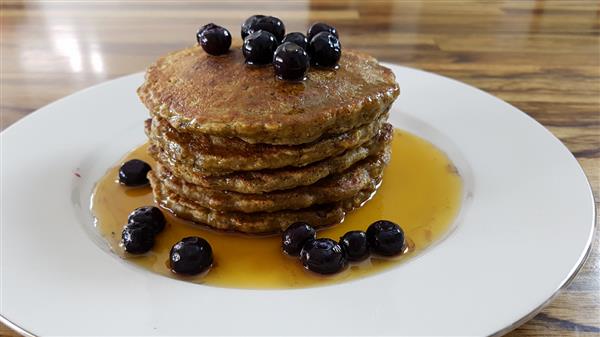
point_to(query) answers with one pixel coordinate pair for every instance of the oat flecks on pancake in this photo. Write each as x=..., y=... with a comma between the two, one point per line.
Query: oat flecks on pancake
x=222, y=96
x=261, y=222
x=215, y=155
x=280, y=179
x=237, y=149
x=364, y=175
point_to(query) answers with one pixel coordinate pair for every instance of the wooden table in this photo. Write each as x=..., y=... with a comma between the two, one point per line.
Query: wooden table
x=541, y=56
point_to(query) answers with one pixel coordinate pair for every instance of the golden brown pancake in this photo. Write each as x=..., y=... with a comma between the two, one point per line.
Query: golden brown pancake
x=278, y=179
x=257, y=223
x=215, y=155
x=199, y=93
x=364, y=175
x=238, y=149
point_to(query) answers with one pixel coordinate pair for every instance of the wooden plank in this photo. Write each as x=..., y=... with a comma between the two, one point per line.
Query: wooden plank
x=543, y=56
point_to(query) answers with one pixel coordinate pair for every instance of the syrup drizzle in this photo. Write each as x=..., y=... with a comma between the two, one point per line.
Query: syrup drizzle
x=421, y=191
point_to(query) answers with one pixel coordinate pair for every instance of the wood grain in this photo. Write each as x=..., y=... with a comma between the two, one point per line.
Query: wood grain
x=541, y=56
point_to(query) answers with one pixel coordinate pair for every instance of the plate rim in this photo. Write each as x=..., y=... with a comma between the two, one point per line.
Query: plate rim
x=571, y=275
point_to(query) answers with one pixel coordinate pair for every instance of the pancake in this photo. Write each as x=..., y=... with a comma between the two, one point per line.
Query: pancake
x=257, y=223
x=199, y=93
x=220, y=155
x=364, y=175
x=279, y=179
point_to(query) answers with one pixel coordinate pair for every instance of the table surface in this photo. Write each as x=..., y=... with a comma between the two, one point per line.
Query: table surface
x=541, y=56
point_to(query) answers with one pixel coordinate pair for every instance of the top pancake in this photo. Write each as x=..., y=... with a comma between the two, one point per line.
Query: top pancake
x=221, y=95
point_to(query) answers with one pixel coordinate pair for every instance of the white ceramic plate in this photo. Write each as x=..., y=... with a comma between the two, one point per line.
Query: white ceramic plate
x=524, y=232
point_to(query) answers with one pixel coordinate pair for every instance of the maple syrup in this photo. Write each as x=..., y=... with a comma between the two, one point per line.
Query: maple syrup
x=421, y=191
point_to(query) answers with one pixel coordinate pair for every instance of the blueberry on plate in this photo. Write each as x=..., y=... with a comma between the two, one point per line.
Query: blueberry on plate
x=149, y=215
x=325, y=50
x=192, y=255
x=355, y=245
x=290, y=62
x=318, y=27
x=323, y=256
x=297, y=38
x=137, y=237
x=247, y=25
x=133, y=173
x=270, y=24
x=385, y=238
x=214, y=39
x=295, y=236
x=259, y=47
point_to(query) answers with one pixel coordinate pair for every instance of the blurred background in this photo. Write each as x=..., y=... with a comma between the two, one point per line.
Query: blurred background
x=542, y=56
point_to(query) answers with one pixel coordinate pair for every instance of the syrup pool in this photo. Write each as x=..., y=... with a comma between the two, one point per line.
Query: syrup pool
x=421, y=191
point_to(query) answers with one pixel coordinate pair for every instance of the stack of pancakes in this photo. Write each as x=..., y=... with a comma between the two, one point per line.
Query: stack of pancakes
x=238, y=149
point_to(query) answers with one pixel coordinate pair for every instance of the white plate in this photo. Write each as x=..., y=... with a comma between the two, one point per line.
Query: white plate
x=524, y=233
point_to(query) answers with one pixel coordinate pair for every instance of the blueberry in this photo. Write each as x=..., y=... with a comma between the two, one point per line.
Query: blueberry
x=355, y=245
x=385, y=238
x=247, y=25
x=325, y=50
x=270, y=24
x=295, y=236
x=259, y=47
x=133, y=173
x=214, y=39
x=291, y=62
x=191, y=255
x=323, y=256
x=137, y=237
x=297, y=38
x=149, y=215
x=318, y=27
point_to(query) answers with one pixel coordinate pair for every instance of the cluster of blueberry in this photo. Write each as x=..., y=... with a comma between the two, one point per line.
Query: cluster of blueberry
x=143, y=224
x=265, y=42
x=326, y=256
x=191, y=255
